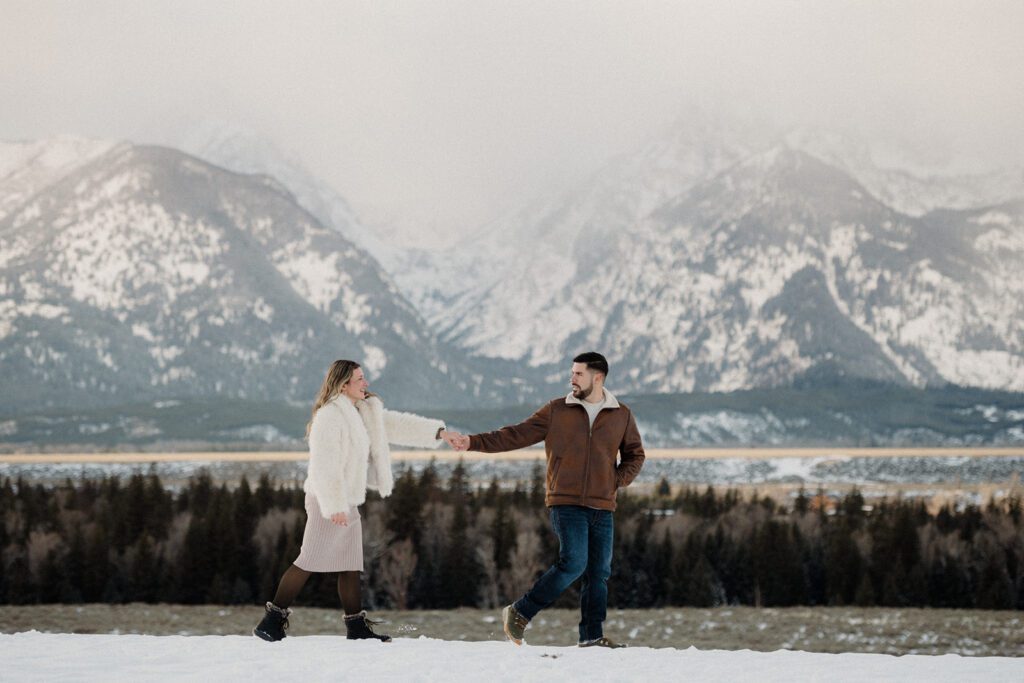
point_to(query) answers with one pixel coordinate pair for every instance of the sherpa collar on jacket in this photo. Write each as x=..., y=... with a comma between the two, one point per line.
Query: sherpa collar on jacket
x=609, y=400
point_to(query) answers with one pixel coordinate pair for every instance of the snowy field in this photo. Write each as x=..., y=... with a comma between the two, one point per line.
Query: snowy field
x=35, y=656
x=834, y=630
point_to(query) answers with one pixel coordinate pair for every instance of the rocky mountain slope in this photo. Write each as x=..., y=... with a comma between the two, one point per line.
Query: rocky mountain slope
x=145, y=273
x=778, y=267
x=715, y=258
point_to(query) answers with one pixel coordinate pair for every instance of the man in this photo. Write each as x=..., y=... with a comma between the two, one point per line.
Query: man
x=582, y=433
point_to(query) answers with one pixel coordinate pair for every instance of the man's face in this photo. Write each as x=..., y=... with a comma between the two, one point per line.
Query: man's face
x=582, y=380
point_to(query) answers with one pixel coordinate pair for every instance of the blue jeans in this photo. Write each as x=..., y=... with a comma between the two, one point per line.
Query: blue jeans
x=585, y=540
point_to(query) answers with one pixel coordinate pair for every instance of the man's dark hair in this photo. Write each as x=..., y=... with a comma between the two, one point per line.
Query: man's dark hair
x=594, y=361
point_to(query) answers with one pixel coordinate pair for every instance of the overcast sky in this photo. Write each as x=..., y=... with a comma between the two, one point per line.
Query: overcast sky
x=451, y=111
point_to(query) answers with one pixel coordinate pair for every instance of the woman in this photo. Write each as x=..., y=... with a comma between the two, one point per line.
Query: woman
x=348, y=438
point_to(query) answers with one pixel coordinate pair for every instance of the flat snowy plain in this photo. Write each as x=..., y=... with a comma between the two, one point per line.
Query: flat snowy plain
x=33, y=656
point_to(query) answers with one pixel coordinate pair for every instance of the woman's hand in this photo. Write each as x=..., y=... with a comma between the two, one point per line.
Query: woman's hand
x=340, y=518
x=457, y=442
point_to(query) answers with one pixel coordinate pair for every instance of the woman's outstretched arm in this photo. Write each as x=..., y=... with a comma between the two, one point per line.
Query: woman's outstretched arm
x=407, y=429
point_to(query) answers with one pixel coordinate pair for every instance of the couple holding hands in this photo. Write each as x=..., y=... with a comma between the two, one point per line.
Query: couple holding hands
x=592, y=446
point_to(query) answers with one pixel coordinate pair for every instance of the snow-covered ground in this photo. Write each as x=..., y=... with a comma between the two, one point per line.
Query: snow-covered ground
x=71, y=657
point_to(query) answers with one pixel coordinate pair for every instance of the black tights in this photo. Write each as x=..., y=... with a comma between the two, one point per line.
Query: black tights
x=294, y=579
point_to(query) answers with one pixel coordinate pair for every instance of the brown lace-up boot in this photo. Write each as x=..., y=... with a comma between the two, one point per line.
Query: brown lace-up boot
x=514, y=623
x=601, y=642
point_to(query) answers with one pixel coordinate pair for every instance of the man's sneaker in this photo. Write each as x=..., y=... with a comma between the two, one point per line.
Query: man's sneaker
x=273, y=624
x=514, y=623
x=601, y=642
x=359, y=628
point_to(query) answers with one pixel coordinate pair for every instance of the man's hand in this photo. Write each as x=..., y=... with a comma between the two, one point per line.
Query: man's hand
x=340, y=518
x=452, y=439
x=459, y=442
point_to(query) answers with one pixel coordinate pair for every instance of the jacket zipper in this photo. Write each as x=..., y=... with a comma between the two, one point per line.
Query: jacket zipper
x=586, y=465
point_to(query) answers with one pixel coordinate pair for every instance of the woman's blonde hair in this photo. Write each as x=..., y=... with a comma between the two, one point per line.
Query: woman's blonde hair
x=338, y=375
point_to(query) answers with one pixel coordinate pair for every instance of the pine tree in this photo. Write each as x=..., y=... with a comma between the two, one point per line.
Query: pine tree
x=134, y=509
x=144, y=573
x=701, y=590
x=220, y=533
x=489, y=497
x=20, y=589
x=405, y=509
x=641, y=582
x=74, y=564
x=865, y=593
x=843, y=563
x=503, y=534
x=460, y=571
x=429, y=487
x=801, y=504
x=98, y=567
x=195, y=565
x=264, y=494
x=663, y=571
x=244, y=513
x=995, y=589
x=778, y=574
x=537, y=484
x=682, y=565
x=159, y=506
x=51, y=578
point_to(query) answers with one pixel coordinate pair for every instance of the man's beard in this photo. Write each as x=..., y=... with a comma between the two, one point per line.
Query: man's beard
x=582, y=393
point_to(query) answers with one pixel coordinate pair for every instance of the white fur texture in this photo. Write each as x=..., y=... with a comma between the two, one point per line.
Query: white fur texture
x=349, y=453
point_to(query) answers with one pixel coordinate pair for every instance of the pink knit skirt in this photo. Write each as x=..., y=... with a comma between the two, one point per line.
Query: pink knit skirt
x=330, y=547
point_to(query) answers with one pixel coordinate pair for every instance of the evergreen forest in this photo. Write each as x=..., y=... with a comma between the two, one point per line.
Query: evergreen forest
x=443, y=544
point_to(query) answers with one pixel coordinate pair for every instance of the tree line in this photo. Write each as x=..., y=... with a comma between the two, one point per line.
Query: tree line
x=442, y=544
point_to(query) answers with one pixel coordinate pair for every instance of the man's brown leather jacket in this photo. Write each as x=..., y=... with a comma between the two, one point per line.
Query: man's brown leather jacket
x=585, y=466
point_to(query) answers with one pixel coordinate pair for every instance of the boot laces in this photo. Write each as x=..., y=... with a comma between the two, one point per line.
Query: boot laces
x=283, y=613
x=603, y=641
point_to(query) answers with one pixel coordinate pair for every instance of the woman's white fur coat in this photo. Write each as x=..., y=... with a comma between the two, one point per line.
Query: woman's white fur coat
x=348, y=450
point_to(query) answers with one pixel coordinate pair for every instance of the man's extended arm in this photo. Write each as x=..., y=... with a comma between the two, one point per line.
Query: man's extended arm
x=631, y=455
x=532, y=430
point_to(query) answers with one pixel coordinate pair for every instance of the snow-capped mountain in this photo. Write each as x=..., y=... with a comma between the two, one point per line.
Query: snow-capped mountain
x=466, y=291
x=911, y=187
x=710, y=260
x=549, y=248
x=146, y=273
x=779, y=267
x=244, y=150
x=28, y=167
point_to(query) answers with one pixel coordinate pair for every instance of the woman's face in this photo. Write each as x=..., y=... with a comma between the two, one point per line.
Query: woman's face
x=355, y=388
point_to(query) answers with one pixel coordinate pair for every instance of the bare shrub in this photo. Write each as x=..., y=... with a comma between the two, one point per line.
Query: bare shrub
x=376, y=536
x=809, y=525
x=488, y=596
x=39, y=546
x=397, y=565
x=69, y=519
x=176, y=535
x=524, y=565
x=437, y=520
x=268, y=529
x=681, y=525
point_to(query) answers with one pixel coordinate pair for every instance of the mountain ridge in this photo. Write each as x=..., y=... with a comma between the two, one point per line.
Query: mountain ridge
x=149, y=271
x=718, y=267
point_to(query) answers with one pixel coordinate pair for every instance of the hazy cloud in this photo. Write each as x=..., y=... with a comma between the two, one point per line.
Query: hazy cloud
x=452, y=111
